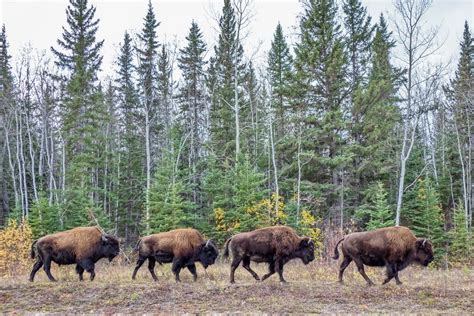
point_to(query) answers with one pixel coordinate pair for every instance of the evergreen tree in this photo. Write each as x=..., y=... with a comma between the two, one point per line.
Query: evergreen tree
x=320, y=90
x=79, y=56
x=168, y=206
x=131, y=150
x=8, y=192
x=228, y=54
x=426, y=217
x=192, y=102
x=43, y=217
x=375, y=145
x=279, y=70
x=461, y=247
x=377, y=211
x=147, y=71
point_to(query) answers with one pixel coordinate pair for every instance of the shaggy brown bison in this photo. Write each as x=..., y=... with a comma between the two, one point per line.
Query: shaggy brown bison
x=182, y=247
x=276, y=245
x=83, y=246
x=392, y=247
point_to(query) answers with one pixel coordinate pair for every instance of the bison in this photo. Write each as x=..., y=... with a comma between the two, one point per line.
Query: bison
x=275, y=245
x=182, y=247
x=392, y=247
x=83, y=246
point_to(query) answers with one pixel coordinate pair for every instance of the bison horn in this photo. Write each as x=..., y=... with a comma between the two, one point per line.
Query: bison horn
x=207, y=243
x=424, y=242
x=104, y=238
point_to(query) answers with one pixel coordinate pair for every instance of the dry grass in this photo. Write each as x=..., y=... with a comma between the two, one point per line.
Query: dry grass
x=311, y=289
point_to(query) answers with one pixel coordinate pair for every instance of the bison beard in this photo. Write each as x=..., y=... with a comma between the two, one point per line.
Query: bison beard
x=275, y=245
x=181, y=247
x=392, y=247
x=83, y=246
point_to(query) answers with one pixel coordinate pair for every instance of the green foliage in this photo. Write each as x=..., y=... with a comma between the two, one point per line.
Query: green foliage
x=169, y=208
x=426, y=217
x=43, y=217
x=461, y=246
x=376, y=212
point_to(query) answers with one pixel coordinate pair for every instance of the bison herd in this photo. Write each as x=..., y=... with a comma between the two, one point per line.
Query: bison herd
x=393, y=247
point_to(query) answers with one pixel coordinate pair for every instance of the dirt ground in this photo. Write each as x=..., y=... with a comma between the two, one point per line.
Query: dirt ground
x=311, y=289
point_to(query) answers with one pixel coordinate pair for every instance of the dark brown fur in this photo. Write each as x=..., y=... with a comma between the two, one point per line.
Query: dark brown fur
x=392, y=247
x=182, y=247
x=275, y=245
x=82, y=246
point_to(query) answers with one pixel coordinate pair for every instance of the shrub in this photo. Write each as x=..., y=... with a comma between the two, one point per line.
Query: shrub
x=15, y=246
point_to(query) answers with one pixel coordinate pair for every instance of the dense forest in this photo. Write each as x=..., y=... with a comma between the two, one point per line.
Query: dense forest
x=353, y=127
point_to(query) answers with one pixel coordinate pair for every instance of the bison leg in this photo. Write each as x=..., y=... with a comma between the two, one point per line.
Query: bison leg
x=279, y=270
x=151, y=267
x=396, y=276
x=140, y=262
x=80, y=271
x=360, y=267
x=47, y=268
x=246, y=265
x=38, y=264
x=390, y=273
x=271, y=270
x=192, y=269
x=233, y=266
x=176, y=268
x=343, y=267
x=89, y=266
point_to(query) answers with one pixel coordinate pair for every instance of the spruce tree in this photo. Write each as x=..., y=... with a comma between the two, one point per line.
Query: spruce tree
x=193, y=103
x=375, y=146
x=461, y=241
x=228, y=54
x=426, y=218
x=79, y=56
x=148, y=53
x=131, y=149
x=279, y=69
x=320, y=90
x=376, y=211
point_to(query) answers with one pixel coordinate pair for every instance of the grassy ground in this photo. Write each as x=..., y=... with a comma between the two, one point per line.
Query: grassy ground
x=311, y=289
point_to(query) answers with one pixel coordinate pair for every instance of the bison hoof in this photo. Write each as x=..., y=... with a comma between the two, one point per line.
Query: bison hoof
x=399, y=283
x=370, y=284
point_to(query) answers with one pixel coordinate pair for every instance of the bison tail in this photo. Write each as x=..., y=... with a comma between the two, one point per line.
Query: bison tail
x=226, y=251
x=33, y=252
x=137, y=246
x=336, y=252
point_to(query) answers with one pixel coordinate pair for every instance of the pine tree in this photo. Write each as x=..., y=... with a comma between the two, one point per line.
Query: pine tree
x=192, y=103
x=461, y=247
x=426, y=217
x=79, y=56
x=228, y=54
x=8, y=188
x=168, y=206
x=377, y=211
x=131, y=150
x=279, y=68
x=320, y=90
x=147, y=81
x=43, y=217
x=375, y=147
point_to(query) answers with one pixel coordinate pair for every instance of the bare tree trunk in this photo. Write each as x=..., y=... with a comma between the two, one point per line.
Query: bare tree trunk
x=12, y=169
x=275, y=170
x=148, y=170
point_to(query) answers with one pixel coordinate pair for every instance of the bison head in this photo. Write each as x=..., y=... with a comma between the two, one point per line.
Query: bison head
x=424, y=251
x=305, y=250
x=109, y=246
x=208, y=253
